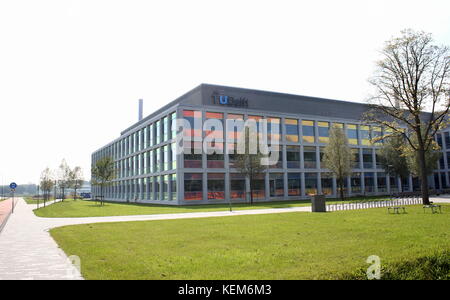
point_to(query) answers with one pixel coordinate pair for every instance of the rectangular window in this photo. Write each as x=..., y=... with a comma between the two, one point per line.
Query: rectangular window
x=173, y=186
x=165, y=186
x=216, y=186
x=377, y=135
x=393, y=183
x=165, y=158
x=367, y=158
x=439, y=139
x=365, y=135
x=165, y=129
x=381, y=182
x=195, y=120
x=193, y=186
x=173, y=125
x=276, y=184
x=173, y=156
x=232, y=132
x=324, y=135
x=327, y=183
x=355, y=155
x=309, y=157
x=157, y=187
x=258, y=186
x=192, y=155
x=215, y=132
x=291, y=128
x=273, y=130
x=369, y=182
x=293, y=157
x=158, y=160
x=294, y=185
x=237, y=186
x=151, y=135
x=311, y=183
x=352, y=134
x=308, y=131
x=355, y=182
x=447, y=140
x=158, y=132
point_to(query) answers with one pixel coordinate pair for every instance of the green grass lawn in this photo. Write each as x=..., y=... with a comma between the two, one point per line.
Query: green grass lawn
x=85, y=208
x=30, y=200
x=271, y=246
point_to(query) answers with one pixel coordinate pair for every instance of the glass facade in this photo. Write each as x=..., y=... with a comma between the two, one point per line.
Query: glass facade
x=148, y=166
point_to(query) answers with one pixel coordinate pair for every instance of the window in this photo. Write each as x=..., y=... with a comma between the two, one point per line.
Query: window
x=448, y=160
x=258, y=186
x=365, y=135
x=309, y=157
x=379, y=165
x=237, y=186
x=447, y=140
x=367, y=158
x=273, y=130
x=216, y=186
x=308, y=131
x=173, y=186
x=165, y=158
x=352, y=134
x=150, y=188
x=279, y=155
x=369, y=182
x=294, y=185
x=293, y=156
x=195, y=120
x=376, y=135
x=443, y=181
x=355, y=182
x=291, y=127
x=173, y=155
x=157, y=187
x=381, y=182
x=158, y=160
x=439, y=139
x=215, y=161
x=276, y=184
x=327, y=183
x=173, y=125
x=310, y=183
x=232, y=132
x=355, y=155
x=165, y=186
x=324, y=135
x=158, y=132
x=393, y=182
x=192, y=155
x=151, y=135
x=165, y=129
x=193, y=186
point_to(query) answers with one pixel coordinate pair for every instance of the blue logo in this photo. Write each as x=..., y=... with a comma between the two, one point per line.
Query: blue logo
x=229, y=101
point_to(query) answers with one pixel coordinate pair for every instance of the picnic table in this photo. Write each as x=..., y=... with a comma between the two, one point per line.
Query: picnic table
x=432, y=207
x=396, y=209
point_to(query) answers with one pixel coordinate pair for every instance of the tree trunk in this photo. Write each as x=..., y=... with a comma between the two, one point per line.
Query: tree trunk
x=251, y=191
x=424, y=178
x=341, y=188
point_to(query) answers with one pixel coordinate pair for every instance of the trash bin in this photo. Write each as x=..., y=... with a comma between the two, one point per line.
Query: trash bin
x=318, y=203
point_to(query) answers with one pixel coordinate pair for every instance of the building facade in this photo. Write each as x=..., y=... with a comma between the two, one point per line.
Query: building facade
x=151, y=170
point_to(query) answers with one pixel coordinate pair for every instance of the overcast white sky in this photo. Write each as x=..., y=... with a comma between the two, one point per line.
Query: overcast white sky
x=71, y=72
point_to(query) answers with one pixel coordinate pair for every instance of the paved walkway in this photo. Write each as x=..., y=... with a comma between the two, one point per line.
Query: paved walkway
x=27, y=251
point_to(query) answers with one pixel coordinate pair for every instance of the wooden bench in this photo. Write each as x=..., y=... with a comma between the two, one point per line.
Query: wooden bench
x=433, y=208
x=396, y=209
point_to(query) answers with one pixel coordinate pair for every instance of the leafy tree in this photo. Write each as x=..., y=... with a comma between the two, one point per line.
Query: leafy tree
x=46, y=183
x=76, y=179
x=411, y=157
x=337, y=157
x=392, y=158
x=249, y=163
x=64, y=178
x=103, y=172
x=413, y=75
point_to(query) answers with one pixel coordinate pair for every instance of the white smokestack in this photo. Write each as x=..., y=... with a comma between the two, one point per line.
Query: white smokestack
x=141, y=108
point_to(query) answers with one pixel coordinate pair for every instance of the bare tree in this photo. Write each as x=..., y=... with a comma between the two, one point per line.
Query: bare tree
x=76, y=179
x=412, y=76
x=46, y=183
x=103, y=172
x=337, y=157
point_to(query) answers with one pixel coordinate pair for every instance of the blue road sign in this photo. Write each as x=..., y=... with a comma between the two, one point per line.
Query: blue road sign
x=13, y=185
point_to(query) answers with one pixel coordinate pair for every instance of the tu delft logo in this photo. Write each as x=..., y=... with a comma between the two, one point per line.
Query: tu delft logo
x=228, y=100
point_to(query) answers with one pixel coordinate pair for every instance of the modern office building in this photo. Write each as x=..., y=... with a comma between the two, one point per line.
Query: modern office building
x=150, y=170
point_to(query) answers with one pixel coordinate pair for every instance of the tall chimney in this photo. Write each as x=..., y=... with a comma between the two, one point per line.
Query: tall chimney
x=141, y=107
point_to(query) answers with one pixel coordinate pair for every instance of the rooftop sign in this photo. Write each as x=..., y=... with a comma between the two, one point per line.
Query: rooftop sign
x=229, y=100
